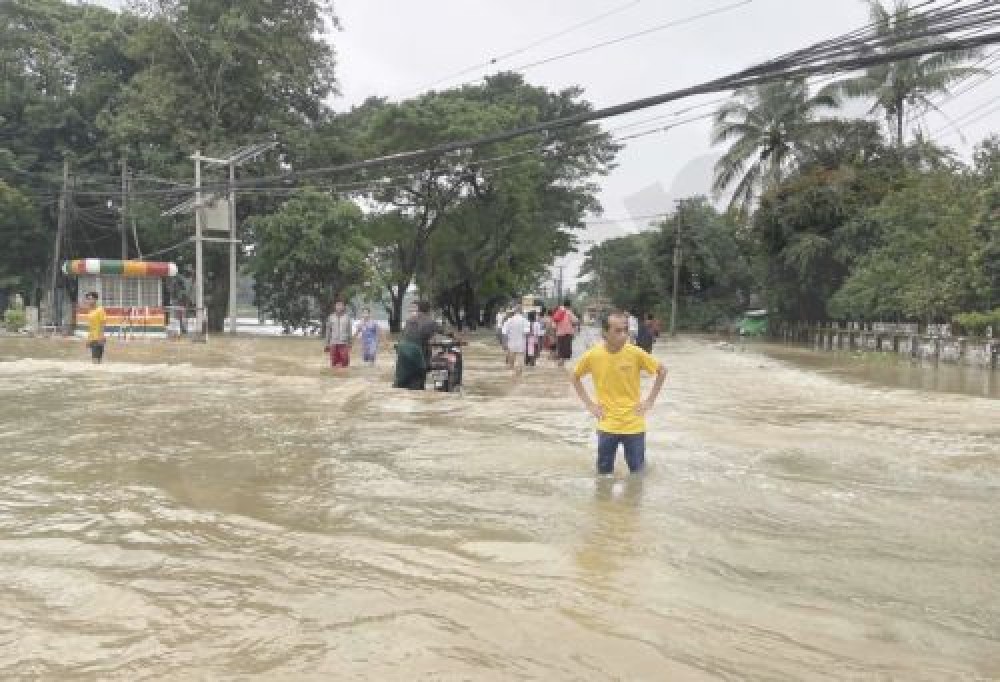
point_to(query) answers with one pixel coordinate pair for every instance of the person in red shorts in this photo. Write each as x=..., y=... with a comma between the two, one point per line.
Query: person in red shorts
x=339, y=334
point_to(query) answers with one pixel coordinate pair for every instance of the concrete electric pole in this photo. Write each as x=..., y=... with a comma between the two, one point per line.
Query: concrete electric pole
x=199, y=264
x=198, y=205
x=233, y=281
x=677, y=272
x=239, y=156
x=55, y=314
x=124, y=208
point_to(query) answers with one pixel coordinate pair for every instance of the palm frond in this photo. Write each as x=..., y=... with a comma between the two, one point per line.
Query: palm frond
x=858, y=86
x=729, y=131
x=745, y=192
x=944, y=60
x=940, y=81
x=731, y=165
x=733, y=109
x=880, y=17
x=734, y=163
x=829, y=96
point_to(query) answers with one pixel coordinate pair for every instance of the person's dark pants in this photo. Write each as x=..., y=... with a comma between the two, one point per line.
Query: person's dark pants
x=96, y=350
x=607, y=449
x=411, y=367
x=564, y=346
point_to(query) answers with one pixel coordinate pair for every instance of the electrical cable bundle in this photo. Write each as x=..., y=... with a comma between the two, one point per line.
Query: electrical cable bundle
x=953, y=26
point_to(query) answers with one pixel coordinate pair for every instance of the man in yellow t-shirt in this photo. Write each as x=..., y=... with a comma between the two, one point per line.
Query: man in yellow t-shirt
x=615, y=366
x=95, y=327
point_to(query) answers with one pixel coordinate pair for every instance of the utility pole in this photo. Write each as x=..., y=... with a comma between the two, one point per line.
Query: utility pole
x=124, y=208
x=55, y=314
x=199, y=265
x=559, y=290
x=677, y=271
x=239, y=156
x=232, y=247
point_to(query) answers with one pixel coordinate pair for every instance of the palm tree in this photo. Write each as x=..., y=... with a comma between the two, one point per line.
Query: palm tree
x=897, y=86
x=769, y=127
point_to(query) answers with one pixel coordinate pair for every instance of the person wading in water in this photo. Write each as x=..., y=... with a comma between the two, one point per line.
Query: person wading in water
x=95, y=327
x=413, y=352
x=339, y=334
x=615, y=366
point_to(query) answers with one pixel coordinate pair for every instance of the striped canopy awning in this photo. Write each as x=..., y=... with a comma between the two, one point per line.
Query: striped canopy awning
x=125, y=268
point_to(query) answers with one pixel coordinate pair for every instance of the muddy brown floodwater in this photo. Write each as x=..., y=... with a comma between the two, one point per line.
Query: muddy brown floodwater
x=235, y=511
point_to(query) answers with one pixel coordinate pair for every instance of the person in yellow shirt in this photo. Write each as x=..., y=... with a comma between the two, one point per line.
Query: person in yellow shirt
x=615, y=366
x=95, y=327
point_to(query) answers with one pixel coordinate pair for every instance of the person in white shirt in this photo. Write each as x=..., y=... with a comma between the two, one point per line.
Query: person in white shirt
x=500, y=317
x=515, y=331
x=536, y=333
x=633, y=327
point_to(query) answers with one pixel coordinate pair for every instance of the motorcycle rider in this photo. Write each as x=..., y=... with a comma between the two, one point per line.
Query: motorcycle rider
x=413, y=352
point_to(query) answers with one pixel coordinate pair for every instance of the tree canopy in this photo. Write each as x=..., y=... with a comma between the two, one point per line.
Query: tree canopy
x=831, y=216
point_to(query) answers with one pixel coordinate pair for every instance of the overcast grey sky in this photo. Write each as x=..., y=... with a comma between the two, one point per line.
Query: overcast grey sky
x=392, y=47
x=395, y=47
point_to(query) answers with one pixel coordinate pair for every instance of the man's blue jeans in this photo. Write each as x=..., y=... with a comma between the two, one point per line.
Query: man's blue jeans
x=607, y=448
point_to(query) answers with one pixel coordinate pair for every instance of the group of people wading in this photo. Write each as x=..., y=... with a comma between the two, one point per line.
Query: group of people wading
x=615, y=365
x=412, y=349
x=524, y=337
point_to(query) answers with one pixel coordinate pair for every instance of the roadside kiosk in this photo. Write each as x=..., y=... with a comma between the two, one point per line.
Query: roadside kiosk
x=753, y=323
x=130, y=291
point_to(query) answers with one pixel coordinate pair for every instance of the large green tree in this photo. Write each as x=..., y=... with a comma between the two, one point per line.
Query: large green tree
x=217, y=73
x=767, y=128
x=213, y=77
x=310, y=251
x=153, y=83
x=538, y=186
x=987, y=168
x=812, y=230
x=715, y=279
x=928, y=265
x=61, y=65
x=622, y=272
x=25, y=243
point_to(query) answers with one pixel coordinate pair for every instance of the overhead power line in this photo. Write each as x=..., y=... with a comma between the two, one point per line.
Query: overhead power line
x=637, y=34
x=483, y=166
x=172, y=247
x=839, y=55
x=964, y=120
x=952, y=28
x=493, y=61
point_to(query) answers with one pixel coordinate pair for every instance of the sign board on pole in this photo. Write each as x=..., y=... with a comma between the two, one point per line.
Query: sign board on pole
x=215, y=215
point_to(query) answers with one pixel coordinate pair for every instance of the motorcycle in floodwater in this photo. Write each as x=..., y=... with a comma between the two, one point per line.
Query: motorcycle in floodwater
x=446, y=365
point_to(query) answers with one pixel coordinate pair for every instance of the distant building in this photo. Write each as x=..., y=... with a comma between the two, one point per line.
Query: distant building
x=596, y=308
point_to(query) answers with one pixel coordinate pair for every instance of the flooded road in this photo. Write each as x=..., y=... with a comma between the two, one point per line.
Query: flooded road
x=233, y=510
x=887, y=369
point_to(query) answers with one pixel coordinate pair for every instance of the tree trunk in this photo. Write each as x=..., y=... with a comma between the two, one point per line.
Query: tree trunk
x=899, y=125
x=470, y=307
x=217, y=303
x=396, y=296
